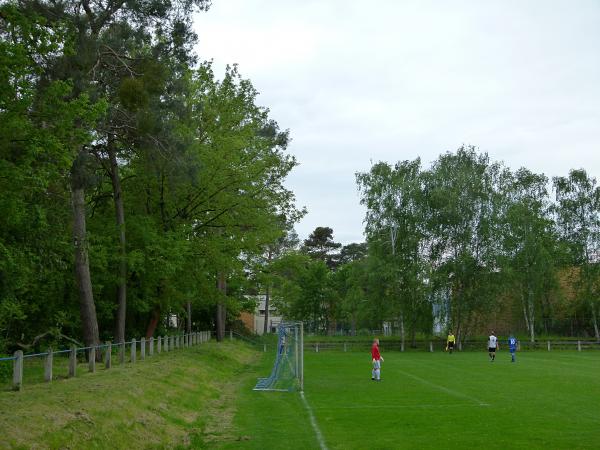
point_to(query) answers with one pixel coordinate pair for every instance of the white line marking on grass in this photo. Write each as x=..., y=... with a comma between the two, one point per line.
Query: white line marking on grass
x=424, y=406
x=444, y=389
x=313, y=422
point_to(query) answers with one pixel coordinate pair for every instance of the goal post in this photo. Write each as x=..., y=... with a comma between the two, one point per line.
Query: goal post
x=287, y=373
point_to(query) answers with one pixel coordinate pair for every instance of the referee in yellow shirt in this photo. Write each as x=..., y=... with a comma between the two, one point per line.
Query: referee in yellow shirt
x=450, y=342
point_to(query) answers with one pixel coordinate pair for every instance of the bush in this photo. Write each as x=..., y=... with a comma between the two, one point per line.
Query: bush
x=5, y=369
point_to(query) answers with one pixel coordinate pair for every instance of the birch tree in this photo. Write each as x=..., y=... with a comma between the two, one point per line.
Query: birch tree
x=578, y=220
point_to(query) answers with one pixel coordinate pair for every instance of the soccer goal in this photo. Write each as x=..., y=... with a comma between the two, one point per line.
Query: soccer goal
x=288, y=369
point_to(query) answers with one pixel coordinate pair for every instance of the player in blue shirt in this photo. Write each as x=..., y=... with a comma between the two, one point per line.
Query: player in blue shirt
x=512, y=347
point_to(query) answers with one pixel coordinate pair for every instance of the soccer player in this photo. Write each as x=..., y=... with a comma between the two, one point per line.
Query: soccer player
x=450, y=341
x=512, y=347
x=493, y=346
x=377, y=360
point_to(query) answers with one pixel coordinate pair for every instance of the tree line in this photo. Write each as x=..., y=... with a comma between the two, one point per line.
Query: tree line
x=454, y=245
x=137, y=187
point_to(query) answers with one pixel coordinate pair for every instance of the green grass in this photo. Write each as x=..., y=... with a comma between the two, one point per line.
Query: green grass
x=179, y=399
x=202, y=398
x=545, y=400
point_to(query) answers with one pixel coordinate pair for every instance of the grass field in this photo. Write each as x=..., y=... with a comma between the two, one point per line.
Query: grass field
x=202, y=398
x=545, y=400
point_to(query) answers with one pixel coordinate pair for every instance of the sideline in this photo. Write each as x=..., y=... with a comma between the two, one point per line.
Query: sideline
x=444, y=389
x=313, y=422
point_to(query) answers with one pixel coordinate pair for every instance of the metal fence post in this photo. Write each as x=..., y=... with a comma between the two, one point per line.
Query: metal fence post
x=48, y=366
x=108, y=355
x=73, y=361
x=18, y=370
x=133, y=350
x=92, y=360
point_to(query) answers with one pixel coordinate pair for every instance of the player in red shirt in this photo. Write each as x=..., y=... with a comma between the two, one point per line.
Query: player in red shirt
x=377, y=360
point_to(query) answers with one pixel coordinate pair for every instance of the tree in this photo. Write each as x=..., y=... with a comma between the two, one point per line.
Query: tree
x=529, y=255
x=320, y=245
x=88, y=23
x=463, y=205
x=578, y=221
x=395, y=231
x=43, y=120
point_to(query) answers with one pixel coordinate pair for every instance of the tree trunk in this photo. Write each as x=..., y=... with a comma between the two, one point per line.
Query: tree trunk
x=120, y=219
x=531, y=306
x=525, y=304
x=595, y=322
x=266, y=328
x=189, y=317
x=87, y=308
x=151, y=329
x=401, y=332
x=221, y=308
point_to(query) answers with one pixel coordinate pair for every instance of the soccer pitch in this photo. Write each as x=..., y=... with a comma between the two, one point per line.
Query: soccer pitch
x=545, y=400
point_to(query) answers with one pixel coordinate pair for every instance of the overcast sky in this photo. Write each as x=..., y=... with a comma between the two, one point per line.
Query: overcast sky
x=359, y=82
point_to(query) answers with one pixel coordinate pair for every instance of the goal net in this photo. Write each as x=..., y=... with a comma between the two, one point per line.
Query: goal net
x=288, y=370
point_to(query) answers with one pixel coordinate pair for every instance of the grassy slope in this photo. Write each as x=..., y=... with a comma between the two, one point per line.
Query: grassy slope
x=185, y=398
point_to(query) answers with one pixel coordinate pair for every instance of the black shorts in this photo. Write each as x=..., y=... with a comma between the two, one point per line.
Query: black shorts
x=450, y=344
x=492, y=349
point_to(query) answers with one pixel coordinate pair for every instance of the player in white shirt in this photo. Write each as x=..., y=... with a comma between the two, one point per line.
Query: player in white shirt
x=493, y=346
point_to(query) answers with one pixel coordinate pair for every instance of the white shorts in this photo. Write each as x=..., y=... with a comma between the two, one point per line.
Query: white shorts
x=377, y=364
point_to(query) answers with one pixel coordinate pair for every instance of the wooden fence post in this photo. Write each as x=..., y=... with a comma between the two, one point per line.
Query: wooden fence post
x=133, y=350
x=92, y=360
x=151, y=347
x=166, y=341
x=345, y=349
x=143, y=349
x=317, y=348
x=108, y=355
x=231, y=335
x=265, y=348
x=48, y=361
x=73, y=361
x=18, y=370
x=159, y=345
x=548, y=345
x=430, y=347
x=578, y=346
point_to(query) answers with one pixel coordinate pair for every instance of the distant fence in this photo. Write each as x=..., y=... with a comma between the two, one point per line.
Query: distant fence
x=438, y=345
x=102, y=354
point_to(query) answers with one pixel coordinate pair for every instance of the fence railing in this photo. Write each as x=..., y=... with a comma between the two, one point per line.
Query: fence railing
x=432, y=345
x=102, y=354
